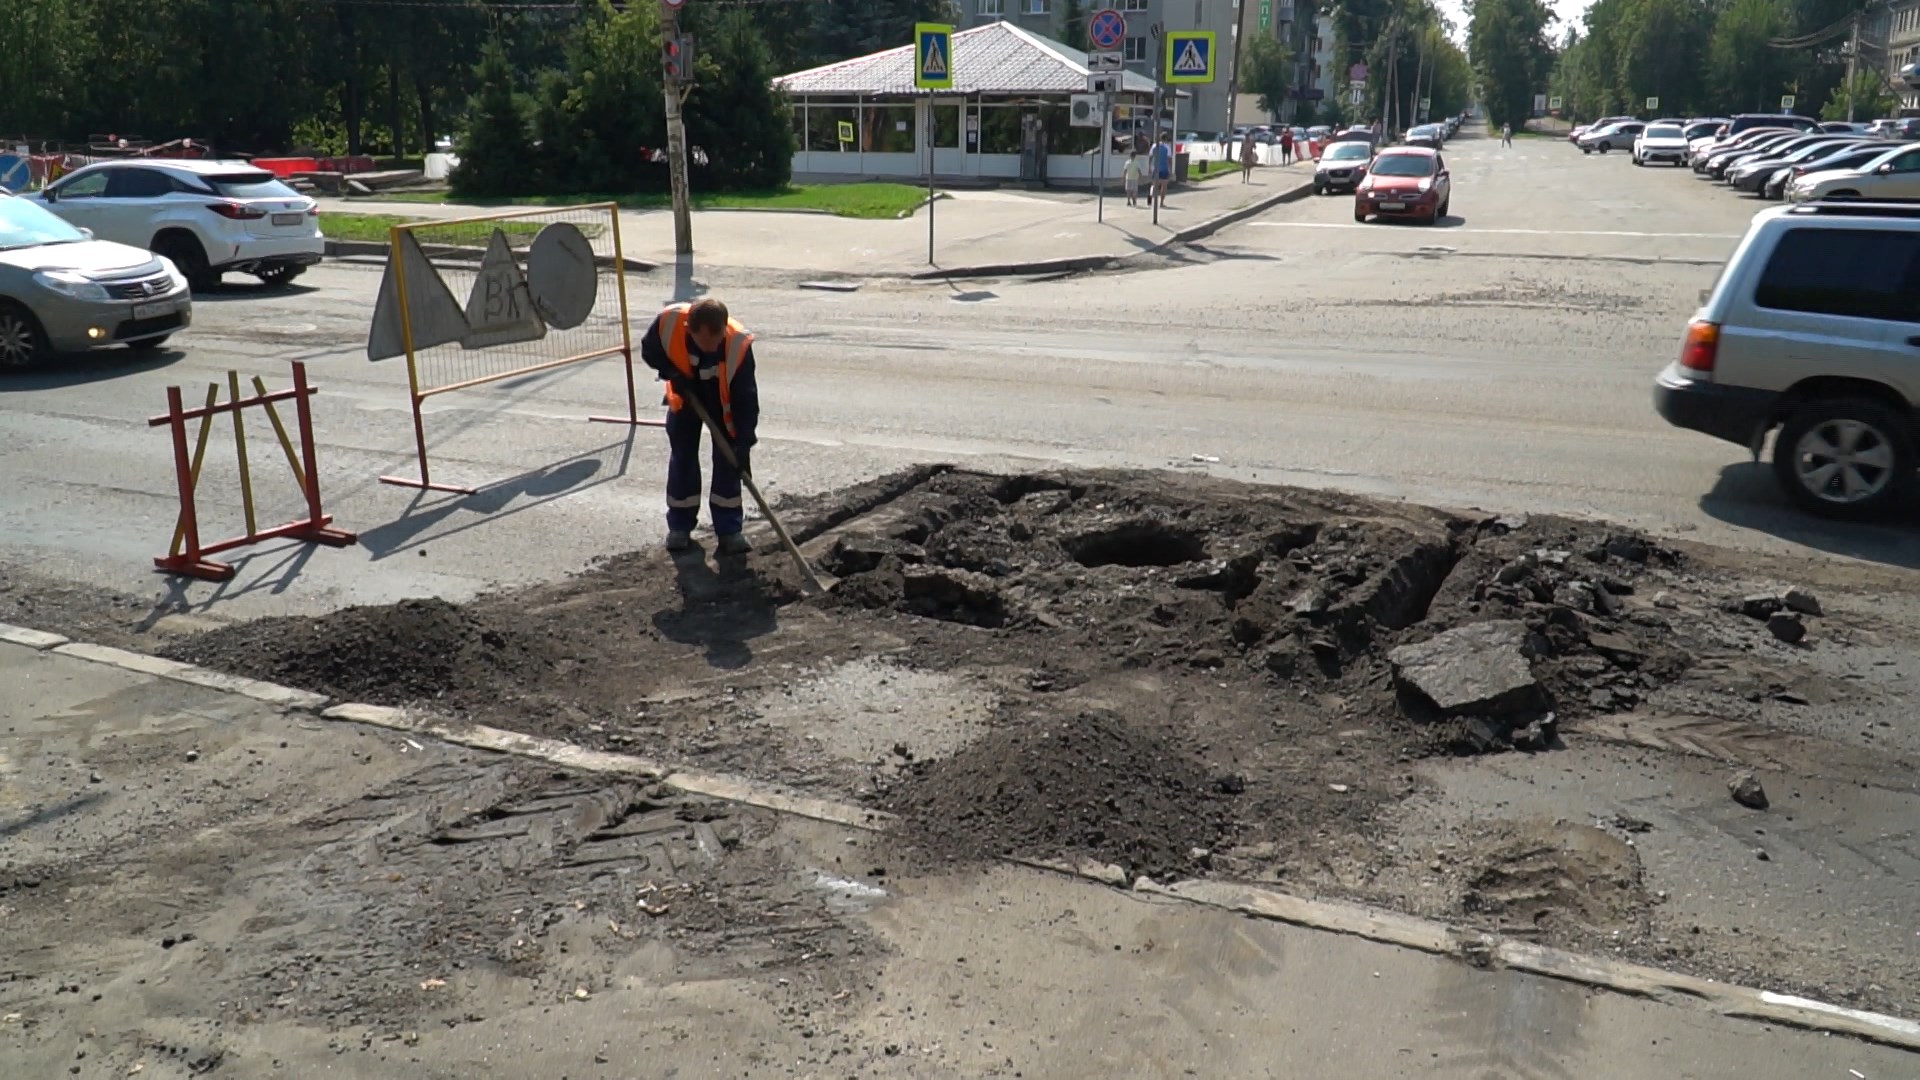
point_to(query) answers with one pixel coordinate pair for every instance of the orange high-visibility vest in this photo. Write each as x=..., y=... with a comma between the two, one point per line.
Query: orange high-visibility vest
x=672, y=324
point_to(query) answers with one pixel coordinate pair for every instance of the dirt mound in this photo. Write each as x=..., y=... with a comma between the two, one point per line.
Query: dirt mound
x=1089, y=785
x=392, y=654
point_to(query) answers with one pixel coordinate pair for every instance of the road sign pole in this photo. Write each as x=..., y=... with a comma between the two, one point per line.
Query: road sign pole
x=1106, y=139
x=931, y=126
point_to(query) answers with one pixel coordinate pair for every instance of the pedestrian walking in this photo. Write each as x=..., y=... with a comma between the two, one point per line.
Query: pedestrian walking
x=1249, y=156
x=1130, y=176
x=1506, y=134
x=699, y=351
x=1162, y=161
x=1286, y=146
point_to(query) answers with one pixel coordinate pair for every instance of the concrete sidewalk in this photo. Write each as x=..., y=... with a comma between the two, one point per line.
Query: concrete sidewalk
x=212, y=881
x=972, y=229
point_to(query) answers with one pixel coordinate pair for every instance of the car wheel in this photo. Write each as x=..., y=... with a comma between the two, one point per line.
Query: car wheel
x=146, y=345
x=1442, y=212
x=22, y=342
x=189, y=259
x=1843, y=458
x=1360, y=215
x=1318, y=190
x=1637, y=161
x=1586, y=149
x=1604, y=147
x=281, y=275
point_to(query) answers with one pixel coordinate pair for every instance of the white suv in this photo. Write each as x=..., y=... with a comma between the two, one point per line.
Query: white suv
x=209, y=217
x=1813, y=328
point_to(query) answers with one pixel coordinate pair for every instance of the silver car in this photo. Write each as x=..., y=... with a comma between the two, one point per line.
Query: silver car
x=62, y=291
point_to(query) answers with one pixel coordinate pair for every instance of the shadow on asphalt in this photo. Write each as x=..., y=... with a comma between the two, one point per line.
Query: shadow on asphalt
x=500, y=500
x=1747, y=497
x=228, y=292
x=79, y=369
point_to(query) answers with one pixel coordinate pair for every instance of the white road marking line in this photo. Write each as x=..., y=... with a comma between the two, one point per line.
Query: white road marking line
x=1506, y=232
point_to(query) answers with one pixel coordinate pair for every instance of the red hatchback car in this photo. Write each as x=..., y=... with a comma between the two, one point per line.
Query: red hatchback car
x=1404, y=182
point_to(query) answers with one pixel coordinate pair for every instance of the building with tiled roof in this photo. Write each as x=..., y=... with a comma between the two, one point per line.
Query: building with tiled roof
x=1005, y=118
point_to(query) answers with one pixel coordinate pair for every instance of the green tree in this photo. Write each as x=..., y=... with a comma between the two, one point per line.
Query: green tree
x=496, y=154
x=1266, y=72
x=845, y=30
x=1507, y=41
x=1872, y=98
x=1743, y=71
x=736, y=115
x=1073, y=25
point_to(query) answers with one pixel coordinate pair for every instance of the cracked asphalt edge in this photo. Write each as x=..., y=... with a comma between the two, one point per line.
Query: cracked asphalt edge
x=1253, y=901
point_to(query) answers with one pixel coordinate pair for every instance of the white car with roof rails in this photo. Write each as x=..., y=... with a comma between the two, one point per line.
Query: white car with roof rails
x=209, y=217
x=1813, y=330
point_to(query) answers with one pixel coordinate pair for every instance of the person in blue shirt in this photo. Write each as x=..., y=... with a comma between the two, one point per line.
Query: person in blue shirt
x=1162, y=160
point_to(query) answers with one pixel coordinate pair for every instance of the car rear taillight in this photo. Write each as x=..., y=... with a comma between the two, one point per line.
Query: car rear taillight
x=1702, y=343
x=313, y=211
x=235, y=211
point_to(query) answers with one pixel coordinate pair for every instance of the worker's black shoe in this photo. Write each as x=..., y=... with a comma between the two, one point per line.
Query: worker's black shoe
x=734, y=544
x=678, y=539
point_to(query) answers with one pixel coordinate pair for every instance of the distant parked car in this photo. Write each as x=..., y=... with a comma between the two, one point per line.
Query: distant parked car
x=208, y=217
x=1842, y=127
x=1752, y=174
x=1618, y=136
x=1893, y=175
x=1605, y=121
x=1848, y=159
x=1661, y=143
x=1427, y=135
x=62, y=291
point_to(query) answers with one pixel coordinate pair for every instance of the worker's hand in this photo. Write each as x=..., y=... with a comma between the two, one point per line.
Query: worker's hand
x=741, y=454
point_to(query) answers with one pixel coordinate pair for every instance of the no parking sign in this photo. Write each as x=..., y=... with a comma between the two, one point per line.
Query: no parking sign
x=1107, y=29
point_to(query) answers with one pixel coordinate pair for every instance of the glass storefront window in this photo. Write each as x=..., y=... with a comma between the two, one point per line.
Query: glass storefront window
x=888, y=129
x=1000, y=129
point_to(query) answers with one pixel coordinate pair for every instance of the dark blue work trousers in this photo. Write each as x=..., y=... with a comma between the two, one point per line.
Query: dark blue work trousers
x=683, y=479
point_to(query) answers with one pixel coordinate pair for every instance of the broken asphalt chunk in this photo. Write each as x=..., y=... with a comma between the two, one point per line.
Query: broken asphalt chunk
x=1483, y=669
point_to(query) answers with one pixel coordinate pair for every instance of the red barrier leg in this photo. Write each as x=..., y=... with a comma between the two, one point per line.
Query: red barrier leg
x=191, y=561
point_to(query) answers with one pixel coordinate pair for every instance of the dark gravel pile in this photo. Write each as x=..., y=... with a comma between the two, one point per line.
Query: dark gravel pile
x=1090, y=785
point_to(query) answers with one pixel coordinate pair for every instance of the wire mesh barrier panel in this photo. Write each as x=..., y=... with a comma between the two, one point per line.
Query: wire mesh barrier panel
x=475, y=300
x=187, y=554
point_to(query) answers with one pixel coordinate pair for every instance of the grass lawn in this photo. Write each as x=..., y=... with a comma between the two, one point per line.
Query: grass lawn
x=1206, y=170
x=866, y=200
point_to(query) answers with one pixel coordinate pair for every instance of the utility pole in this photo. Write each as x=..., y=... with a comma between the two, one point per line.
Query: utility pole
x=676, y=77
x=1853, y=52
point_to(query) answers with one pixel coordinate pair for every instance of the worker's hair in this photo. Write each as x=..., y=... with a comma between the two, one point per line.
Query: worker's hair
x=707, y=316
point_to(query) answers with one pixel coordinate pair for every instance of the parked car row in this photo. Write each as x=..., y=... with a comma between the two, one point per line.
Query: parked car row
x=110, y=254
x=1788, y=157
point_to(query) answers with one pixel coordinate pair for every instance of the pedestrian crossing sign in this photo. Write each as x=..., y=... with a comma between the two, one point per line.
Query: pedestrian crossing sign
x=933, y=56
x=1189, y=56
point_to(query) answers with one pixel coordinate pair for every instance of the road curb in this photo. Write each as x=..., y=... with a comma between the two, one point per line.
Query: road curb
x=1253, y=901
x=32, y=639
x=1085, y=263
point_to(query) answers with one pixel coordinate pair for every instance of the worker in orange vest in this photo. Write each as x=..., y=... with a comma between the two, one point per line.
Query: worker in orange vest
x=700, y=351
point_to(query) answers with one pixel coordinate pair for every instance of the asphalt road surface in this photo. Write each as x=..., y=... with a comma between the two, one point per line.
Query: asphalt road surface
x=1502, y=359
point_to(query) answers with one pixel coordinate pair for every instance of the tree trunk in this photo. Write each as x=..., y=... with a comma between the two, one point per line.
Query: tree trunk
x=423, y=95
x=396, y=109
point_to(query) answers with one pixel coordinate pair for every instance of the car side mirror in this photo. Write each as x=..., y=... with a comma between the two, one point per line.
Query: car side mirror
x=88, y=233
x=51, y=195
x=1887, y=168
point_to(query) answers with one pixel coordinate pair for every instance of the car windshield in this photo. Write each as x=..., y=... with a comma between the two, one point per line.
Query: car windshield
x=24, y=224
x=1403, y=165
x=1663, y=131
x=1346, y=151
x=251, y=185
